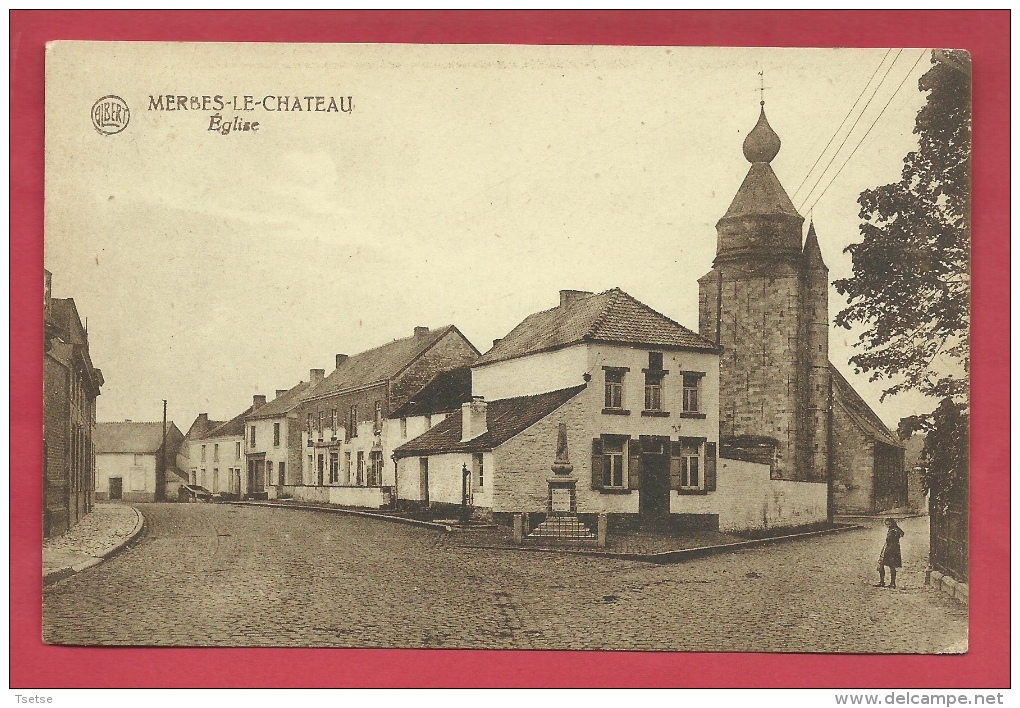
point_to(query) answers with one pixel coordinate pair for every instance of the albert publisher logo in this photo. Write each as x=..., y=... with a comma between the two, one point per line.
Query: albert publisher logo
x=110, y=115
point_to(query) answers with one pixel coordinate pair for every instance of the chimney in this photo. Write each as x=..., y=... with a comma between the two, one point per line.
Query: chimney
x=496, y=341
x=127, y=420
x=420, y=332
x=280, y=392
x=204, y=417
x=569, y=296
x=473, y=418
x=315, y=376
x=257, y=401
x=340, y=359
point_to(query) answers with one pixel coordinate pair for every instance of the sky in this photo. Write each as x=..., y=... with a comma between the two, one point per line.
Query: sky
x=467, y=186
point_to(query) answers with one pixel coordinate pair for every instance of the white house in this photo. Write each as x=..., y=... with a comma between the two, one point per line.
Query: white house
x=130, y=463
x=600, y=405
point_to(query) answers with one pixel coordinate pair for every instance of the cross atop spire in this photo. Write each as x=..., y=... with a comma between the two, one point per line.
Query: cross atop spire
x=761, y=77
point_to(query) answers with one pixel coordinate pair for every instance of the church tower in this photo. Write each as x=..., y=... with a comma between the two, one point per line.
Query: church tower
x=765, y=303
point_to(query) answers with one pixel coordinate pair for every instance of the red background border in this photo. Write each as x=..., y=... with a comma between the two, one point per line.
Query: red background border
x=984, y=33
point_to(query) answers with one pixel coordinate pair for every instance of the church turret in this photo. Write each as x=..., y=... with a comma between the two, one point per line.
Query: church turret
x=761, y=220
x=764, y=303
x=817, y=394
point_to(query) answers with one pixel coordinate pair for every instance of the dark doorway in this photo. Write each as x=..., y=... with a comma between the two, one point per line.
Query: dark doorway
x=116, y=488
x=654, y=499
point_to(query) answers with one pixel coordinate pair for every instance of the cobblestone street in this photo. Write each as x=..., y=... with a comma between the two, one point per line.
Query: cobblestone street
x=208, y=574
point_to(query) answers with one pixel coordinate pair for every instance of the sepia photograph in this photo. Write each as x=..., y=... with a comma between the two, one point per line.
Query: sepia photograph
x=507, y=347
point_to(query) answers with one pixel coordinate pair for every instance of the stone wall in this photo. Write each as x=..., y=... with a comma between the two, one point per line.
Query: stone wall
x=362, y=497
x=853, y=461
x=758, y=318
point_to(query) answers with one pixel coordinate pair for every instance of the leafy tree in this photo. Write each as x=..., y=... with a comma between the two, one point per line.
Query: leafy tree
x=911, y=273
x=946, y=451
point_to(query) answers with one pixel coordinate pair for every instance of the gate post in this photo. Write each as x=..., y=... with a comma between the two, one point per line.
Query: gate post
x=603, y=529
x=518, y=528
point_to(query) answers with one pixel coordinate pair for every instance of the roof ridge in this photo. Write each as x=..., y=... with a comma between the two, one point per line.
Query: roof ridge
x=610, y=303
x=669, y=319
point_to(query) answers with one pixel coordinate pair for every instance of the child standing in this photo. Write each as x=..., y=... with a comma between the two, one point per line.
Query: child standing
x=890, y=555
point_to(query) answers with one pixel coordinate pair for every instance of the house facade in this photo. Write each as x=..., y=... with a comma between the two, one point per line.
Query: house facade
x=765, y=304
x=601, y=405
x=272, y=439
x=131, y=464
x=216, y=454
x=347, y=436
x=70, y=387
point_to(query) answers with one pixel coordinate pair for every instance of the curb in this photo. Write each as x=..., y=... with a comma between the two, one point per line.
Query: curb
x=677, y=556
x=947, y=585
x=350, y=512
x=58, y=574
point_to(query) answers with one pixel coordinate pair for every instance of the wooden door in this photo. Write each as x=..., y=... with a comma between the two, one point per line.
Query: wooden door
x=116, y=488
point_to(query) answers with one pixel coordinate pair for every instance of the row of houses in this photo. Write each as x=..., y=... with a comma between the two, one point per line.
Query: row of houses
x=599, y=404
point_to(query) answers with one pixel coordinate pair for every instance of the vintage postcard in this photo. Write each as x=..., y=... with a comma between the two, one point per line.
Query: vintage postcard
x=510, y=347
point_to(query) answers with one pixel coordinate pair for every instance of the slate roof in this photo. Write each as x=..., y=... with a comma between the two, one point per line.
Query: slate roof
x=444, y=393
x=845, y=395
x=231, y=428
x=761, y=194
x=281, y=405
x=131, y=436
x=612, y=316
x=380, y=363
x=504, y=419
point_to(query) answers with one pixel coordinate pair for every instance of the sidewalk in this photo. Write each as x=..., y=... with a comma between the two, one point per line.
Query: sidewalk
x=98, y=536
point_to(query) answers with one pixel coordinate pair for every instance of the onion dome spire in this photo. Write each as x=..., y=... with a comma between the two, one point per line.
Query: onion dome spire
x=762, y=144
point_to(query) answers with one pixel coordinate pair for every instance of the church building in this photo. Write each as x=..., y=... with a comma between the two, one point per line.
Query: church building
x=765, y=305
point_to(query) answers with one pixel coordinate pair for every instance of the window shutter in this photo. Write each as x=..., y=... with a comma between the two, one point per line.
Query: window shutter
x=674, y=464
x=634, y=468
x=710, y=467
x=596, y=463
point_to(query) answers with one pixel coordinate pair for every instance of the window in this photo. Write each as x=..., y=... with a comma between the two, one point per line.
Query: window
x=614, y=388
x=216, y=452
x=692, y=384
x=252, y=434
x=479, y=460
x=378, y=417
x=403, y=427
x=334, y=467
x=308, y=424
x=282, y=473
x=352, y=423
x=321, y=468
x=690, y=465
x=653, y=390
x=361, y=468
x=319, y=429
x=269, y=472
x=237, y=450
x=276, y=435
x=348, y=467
x=193, y=479
x=612, y=463
x=138, y=457
x=375, y=468
x=203, y=481
x=333, y=418
x=215, y=480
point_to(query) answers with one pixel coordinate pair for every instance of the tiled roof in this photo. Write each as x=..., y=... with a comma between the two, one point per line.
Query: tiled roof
x=131, y=437
x=281, y=405
x=201, y=426
x=445, y=392
x=612, y=316
x=381, y=363
x=504, y=419
x=845, y=395
x=231, y=428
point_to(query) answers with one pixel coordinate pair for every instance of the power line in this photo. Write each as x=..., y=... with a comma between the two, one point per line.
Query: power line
x=846, y=137
x=894, y=93
x=845, y=118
